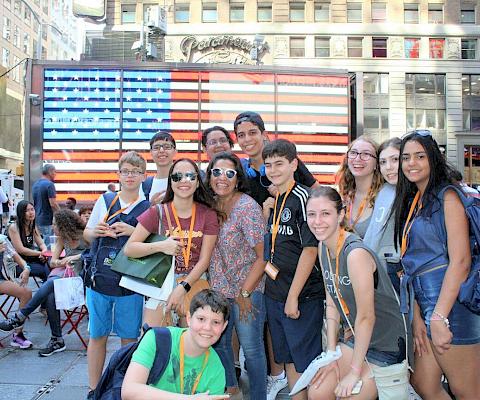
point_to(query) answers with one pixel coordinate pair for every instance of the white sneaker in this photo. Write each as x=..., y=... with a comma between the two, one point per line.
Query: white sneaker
x=274, y=385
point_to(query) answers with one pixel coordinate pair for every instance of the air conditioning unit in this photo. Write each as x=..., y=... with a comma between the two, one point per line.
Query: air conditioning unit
x=156, y=17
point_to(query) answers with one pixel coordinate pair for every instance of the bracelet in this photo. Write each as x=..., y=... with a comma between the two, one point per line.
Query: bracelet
x=28, y=267
x=356, y=369
x=436, y=316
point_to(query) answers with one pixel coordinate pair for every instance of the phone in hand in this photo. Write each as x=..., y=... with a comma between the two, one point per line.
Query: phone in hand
x=358, y=386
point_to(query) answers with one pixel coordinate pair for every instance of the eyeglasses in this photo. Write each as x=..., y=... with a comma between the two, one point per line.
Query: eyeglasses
x=214, y=142
x=418, y=132
x=353, y=154
x=165, y=146
x=126, y=172
x=228, y=172
x=179, y=176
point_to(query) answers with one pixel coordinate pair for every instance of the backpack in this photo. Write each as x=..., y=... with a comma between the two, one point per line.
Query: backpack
x=147, y=186
x=469, y=294
x=110, y=385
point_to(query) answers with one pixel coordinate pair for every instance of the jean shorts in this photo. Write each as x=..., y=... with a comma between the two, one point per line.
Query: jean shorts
x=378, y=357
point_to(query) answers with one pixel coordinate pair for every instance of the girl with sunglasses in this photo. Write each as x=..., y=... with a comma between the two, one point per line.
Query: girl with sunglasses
x=236, y=271
x=432, y=227
x=190, y=222
x=359, y=182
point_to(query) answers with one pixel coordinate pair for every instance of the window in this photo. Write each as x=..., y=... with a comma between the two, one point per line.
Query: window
x=375, y=83
x=322, y=12
x=410, y=13
x=322, y=47
x=375, y=118
x=264, y=12
x=297, y=11
x=16, y=36
x=17, y=7
x=425, y=84
x=436, y=48
x=297, y=47
x=128, y=13
x=375, y=115
x=27, y=16
x=379, y=47
x=354, y=12
x=45, y=6
x=425, y=119
x=182, y=12
x=5, y=57
x=469, y=48
x=237, y=11
x=26, y=44
x=6, y=28
x=412, y=48
x=379, y=12
x=209, y=12
x=7, y=4
x=471, y=113
x=435, y=13
x=467, y=14
x=355, y=47
x=471, y=85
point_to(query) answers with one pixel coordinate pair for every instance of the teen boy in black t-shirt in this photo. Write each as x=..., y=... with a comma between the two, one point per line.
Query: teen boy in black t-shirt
x=294, y=289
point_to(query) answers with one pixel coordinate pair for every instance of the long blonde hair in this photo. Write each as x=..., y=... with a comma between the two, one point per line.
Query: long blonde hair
x=346, y=180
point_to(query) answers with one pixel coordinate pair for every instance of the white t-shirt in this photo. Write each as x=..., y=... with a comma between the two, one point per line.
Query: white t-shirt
x=100, y=209
x=158, y=185
x=3, y=199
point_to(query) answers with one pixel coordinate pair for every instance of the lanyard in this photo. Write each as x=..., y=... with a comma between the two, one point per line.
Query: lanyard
x=182, y=367
x=107, y=218
x=407, y=227
x=276, y=221
x=340, y=242
x=185, y=251
x=360, y=210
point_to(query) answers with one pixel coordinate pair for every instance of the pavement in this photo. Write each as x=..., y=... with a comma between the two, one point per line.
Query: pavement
x=26, y=376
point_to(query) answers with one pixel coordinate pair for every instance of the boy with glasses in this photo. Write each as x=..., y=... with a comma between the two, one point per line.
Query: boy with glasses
x=113, y=220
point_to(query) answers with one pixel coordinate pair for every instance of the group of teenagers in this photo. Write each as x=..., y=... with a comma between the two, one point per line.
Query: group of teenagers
x=284, y=256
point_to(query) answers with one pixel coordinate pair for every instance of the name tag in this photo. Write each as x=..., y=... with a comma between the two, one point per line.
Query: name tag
x=271, y=270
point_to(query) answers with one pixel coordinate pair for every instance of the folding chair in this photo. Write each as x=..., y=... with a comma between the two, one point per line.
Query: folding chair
x=7, y=305
x=74, y=317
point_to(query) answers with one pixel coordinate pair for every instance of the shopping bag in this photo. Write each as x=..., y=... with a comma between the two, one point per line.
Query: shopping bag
x=68, y=291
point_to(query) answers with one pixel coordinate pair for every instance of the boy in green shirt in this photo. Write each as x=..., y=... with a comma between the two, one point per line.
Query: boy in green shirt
x=194, y=369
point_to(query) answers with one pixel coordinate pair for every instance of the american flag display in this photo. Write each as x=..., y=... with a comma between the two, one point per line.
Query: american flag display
x=91, y=115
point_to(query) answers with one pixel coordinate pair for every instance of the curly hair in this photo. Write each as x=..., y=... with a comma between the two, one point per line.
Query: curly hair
x=69, y=225
x=346, y=180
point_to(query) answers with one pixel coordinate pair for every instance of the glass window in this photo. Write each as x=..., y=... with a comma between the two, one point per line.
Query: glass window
x=379, y=12
x=182, y=12
x=209, y=12
x=297, y=11
x=237, y=12
x=6, y=28
x=375, y=118
x=322, y=47
x=322, y=12
x=467, y=14
x=355, y=47
x=128, y=13
x=297, y=47
x=427, y=119
x=5, y=57
x=374, y=83
x=412, y=47
x=379, y=47
x=7, y=4
x=469, y=47
x=425, y=84
x=436, y=48
x=26, y=44
x=410, y=13
x=27, y=16
x=435, y=13
x=264, y=12
x=16, y=37
x=354, y=12
x=45, y=6
x=17, y=7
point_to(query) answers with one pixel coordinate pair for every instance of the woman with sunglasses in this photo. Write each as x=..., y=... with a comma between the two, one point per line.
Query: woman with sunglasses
x=433, y=229
x=359, y=182
x=189, y=209
x=236, y=271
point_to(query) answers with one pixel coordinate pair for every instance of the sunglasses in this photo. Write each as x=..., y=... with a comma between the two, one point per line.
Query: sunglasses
x=178, y=176
x=229, y=173
x=418, y=132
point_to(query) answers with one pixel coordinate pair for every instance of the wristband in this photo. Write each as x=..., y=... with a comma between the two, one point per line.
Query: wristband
x=439, y=317
x=186, y=286
x=27, y=267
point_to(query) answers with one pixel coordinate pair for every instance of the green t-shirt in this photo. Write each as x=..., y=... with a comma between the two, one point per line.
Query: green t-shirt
x=213, y=377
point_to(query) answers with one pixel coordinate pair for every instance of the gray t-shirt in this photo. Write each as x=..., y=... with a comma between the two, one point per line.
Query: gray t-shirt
x=389, y=325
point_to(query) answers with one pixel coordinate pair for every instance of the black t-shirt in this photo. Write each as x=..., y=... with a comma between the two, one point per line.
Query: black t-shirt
x=259, y=185
x=293, y=235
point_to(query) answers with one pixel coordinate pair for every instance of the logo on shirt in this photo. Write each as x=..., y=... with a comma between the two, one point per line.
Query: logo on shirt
x=286, y=215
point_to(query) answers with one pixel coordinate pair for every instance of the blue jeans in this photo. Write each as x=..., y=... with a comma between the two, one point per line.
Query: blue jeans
x=46, y=295
x=46, y=231
x=250, y=335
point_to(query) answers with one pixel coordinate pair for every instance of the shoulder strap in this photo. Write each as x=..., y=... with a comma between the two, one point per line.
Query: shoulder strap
x=109, y=198
x=169, y=221
x=163, y=343
x=147, y=186
x=161, y=230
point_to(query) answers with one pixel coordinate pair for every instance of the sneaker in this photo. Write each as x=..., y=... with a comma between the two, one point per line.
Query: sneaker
x=54, y=346
x=11, y=323
x=274, y=385
x=19, y=340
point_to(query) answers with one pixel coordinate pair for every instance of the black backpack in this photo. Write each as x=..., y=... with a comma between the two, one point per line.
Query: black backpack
x=110, y=385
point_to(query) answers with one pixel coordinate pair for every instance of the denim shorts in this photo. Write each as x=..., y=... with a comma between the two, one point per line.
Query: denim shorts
x=464, y=324
x=378, y=357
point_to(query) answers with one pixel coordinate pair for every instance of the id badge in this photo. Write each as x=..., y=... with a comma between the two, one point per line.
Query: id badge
x=267, y=246
x=271, y=270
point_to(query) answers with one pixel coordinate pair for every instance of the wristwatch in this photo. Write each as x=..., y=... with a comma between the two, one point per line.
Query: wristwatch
x=186, y=286
x=245, y=293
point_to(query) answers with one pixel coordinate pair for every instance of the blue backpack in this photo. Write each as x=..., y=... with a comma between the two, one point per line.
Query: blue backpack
x=147, y=186
x=469, y=294
x=110, y=385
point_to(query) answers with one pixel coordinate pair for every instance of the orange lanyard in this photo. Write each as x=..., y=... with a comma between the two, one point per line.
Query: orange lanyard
x=340, y=241
x=407, y=227
x=276, y=221
x=182, y=367
x=107, y=218
x=185, y=251
x=360, y=210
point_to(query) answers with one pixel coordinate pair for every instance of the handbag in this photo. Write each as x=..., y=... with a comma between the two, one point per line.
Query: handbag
x=68, y=291
x=153, y=269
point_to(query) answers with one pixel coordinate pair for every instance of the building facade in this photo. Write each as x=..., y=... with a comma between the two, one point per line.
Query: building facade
x=43, y=29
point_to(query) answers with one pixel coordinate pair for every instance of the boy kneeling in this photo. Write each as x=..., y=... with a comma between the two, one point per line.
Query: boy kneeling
x=194, y=369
